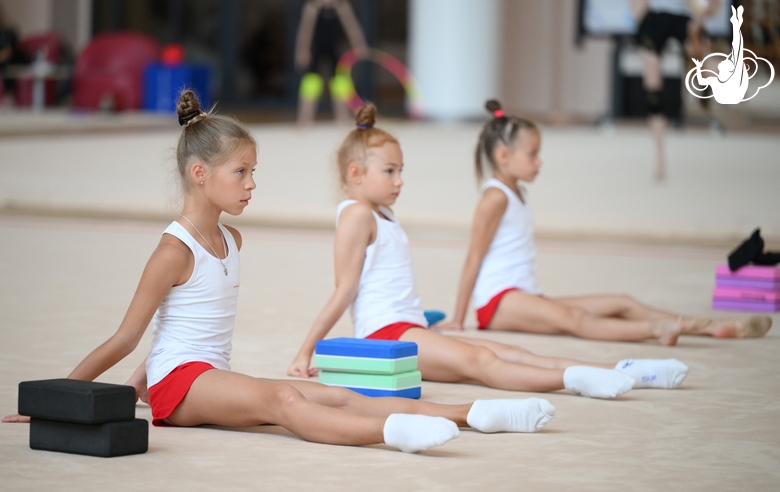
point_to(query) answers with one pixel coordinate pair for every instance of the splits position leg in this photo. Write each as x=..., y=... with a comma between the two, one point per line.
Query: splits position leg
x=519, y=311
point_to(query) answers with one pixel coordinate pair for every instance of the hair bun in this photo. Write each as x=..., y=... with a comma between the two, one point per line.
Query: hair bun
x=188, y=103
x=494, y=108
x=366, y=116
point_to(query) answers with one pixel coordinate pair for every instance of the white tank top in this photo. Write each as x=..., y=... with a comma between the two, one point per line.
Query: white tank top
x=195, y=320
x=387, y=292
x=511, y=259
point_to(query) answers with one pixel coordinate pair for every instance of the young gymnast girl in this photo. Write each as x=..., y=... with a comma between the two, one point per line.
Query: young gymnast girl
x=374, y=275
x=500, y=268
x=189, y=289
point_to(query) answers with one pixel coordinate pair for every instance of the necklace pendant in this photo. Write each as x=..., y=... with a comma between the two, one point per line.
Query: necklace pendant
x=223, y=266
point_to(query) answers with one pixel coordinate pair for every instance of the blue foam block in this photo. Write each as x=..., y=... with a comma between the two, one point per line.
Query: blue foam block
x=434, y=317
x=415, y=392
x=359, y=347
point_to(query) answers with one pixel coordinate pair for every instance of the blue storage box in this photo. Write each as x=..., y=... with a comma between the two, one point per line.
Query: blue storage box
x=164, y=83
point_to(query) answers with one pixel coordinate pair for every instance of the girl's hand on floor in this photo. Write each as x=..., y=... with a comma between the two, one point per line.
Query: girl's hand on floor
x=448, y=326
x=300, y=368
x=16, y=418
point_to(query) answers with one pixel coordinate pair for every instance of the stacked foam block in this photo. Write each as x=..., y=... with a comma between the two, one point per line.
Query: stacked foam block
x=83, y=417
x=370, y=367
x=750, y=288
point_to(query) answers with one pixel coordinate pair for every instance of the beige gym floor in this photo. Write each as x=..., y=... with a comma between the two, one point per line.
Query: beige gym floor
x=81, y=214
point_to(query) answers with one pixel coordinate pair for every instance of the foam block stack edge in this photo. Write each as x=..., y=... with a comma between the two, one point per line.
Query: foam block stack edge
x=370, y=367
x=751, y=288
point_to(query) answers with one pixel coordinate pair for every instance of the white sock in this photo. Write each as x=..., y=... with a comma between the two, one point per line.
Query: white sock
x=413, y=433
x=528, y=415
x=654, y=373
x=596, y=382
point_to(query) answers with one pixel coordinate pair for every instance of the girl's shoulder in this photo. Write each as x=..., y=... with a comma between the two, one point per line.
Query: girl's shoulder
x=353, y=211
x=493, y=202
x=172, y=259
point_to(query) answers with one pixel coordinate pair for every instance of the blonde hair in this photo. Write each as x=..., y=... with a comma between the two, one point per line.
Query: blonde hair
x=206, y=137
x=359, y=140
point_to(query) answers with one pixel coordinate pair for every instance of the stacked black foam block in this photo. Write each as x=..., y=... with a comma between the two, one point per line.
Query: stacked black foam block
x=83, y=417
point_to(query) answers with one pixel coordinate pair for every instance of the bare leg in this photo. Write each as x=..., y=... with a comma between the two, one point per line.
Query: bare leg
x=647, y=373
x=235, y=400
x=449, y=360
x=626, y=307
x=519, y=311
x=617, y=306
x=520, y=355
x=331, y=415
x=349, y=401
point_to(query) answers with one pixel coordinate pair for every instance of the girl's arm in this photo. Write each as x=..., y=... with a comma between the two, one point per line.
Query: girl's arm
x=170, y=264
x=356, y=230
x=486, y=220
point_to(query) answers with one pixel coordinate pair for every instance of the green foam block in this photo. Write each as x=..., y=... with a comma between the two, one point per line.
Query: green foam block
x=379, y=381
x=365, y=365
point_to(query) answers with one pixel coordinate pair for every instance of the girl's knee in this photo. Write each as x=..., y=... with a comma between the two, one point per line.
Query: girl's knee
x=478, y=359
x=286, y=396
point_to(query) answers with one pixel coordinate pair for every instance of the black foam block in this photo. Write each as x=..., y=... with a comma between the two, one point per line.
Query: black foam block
x=104, y=440
x=70, y=400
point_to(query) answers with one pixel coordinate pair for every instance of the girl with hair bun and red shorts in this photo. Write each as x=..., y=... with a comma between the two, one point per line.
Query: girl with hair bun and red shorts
x=374, y=276
x=500, y=268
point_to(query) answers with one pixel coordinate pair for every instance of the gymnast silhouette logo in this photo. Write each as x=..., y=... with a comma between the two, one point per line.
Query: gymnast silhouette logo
x=730, y=84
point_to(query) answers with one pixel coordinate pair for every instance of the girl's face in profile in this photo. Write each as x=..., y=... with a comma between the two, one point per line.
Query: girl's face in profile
x=523, y=160
x=382, y=180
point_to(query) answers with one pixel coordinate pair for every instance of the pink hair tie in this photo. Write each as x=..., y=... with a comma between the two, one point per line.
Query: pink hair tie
x=499, y=113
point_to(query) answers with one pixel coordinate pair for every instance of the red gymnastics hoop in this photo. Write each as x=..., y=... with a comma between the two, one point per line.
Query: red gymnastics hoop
x=388, y=62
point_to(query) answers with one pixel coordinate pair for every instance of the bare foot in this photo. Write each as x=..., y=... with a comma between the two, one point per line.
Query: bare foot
x=752, y=327
x=667, y=331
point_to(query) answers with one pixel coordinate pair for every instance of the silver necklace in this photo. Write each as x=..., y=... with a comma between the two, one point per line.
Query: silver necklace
x=224, y=243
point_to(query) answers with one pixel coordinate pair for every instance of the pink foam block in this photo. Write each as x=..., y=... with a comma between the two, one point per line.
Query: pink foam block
x=738, y=283
x=751, y=295
x=763, y=307
x=750, y=276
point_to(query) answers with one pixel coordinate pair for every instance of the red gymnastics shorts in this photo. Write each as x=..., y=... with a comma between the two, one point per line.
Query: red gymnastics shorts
x=166, y=395
x=393, y=332
x=485, y=313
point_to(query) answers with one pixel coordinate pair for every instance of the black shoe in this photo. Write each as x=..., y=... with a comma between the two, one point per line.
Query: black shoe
x=745, y=252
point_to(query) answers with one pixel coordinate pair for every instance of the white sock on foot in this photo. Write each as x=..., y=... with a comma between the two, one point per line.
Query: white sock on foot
x=596, y=382
x=413, y=433
x=654, y=373
x=528, y=415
